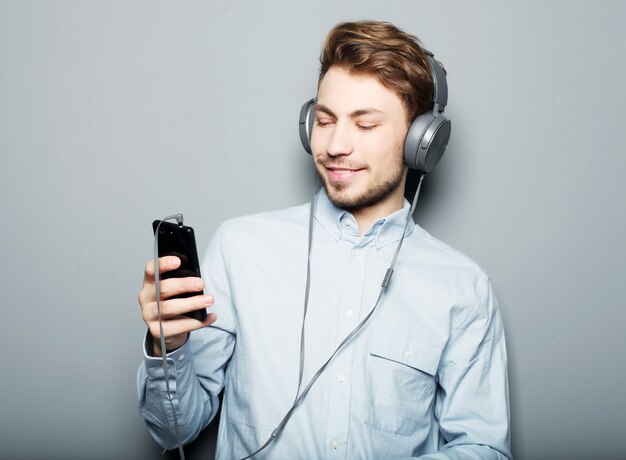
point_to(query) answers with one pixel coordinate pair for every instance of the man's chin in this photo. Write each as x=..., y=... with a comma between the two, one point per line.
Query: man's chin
x=340, y=197
x=345, y=195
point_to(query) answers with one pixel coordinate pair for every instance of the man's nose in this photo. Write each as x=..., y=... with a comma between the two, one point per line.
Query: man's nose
x=340, y=141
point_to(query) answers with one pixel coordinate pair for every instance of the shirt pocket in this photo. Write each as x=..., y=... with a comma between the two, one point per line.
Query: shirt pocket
x=400, y=381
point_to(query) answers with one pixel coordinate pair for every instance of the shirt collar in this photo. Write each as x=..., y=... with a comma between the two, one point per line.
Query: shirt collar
x=343, y=226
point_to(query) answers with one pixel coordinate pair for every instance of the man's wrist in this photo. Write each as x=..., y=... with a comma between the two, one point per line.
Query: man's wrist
x=153, y=346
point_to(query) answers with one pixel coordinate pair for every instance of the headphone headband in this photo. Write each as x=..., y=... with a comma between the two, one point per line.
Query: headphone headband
x=440, y=96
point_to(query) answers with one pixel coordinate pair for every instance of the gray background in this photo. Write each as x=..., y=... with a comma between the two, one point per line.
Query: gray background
x=115, y=113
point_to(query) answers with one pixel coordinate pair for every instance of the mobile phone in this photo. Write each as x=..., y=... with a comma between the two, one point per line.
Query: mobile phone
x=180, y=241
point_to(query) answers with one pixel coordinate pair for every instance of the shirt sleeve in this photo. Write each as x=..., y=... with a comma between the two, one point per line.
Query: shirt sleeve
x=197, y=369
x=472, y=400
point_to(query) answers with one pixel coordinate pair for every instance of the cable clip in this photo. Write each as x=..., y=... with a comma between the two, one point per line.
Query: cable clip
x=387, y=277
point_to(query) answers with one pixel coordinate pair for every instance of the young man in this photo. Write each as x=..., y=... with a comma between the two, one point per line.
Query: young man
x=424, y=377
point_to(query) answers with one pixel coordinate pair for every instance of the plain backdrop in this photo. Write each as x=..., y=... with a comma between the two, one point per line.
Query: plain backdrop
x=114, y=113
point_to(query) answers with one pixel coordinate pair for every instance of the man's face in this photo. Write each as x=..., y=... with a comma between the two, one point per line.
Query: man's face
x=358, y=140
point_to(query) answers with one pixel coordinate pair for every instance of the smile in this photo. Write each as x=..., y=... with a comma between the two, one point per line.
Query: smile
x=341, y=174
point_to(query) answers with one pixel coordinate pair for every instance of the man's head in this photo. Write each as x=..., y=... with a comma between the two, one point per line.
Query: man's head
x=374, y=80
x=380, y=49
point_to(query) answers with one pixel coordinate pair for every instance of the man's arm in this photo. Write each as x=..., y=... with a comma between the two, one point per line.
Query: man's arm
x=197, y=368
x=473, y=402
x=196, y=372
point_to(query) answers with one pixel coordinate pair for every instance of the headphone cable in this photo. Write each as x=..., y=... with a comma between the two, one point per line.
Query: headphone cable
x=300, y=396
x=165, y=365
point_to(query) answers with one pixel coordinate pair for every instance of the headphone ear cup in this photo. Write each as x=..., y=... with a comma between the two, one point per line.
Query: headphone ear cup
x=426, y=141
x=307, y=117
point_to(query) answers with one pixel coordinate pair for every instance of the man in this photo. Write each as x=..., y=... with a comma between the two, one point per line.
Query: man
x=426, y=374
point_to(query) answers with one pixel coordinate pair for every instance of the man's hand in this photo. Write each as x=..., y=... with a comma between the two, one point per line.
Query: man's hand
x=176, y=327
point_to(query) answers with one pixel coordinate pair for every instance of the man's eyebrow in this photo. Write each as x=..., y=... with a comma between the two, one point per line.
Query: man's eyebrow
x=368, y=111
x=324, y=109
x=355, y=114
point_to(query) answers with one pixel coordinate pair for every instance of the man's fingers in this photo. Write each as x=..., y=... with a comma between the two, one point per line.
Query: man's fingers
x=174, y=286
x=175, y=307
x=169, y=288
x=180, y=325
x=166, y=263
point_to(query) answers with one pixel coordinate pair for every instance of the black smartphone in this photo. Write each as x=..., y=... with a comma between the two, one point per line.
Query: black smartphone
x=180, y=241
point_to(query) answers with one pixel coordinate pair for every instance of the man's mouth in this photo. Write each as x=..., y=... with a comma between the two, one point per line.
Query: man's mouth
x=338, y=173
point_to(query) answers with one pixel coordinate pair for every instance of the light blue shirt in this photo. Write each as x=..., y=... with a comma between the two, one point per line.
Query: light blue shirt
x=426, y=377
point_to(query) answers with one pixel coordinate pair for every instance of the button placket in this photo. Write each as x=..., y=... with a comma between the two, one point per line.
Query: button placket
x=341, y=369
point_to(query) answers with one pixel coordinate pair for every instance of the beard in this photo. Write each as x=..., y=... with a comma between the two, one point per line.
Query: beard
x=373, y=193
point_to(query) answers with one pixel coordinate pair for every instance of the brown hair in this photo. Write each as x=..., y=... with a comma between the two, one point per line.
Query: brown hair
x=381, y=49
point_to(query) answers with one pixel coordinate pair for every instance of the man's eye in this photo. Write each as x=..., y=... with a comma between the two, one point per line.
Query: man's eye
x=366, y=127
x=323, y=122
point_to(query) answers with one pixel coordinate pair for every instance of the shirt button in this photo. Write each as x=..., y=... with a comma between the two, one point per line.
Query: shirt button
x=407, y=354
x=181, y=357
x=334, y=444
x=349, y=312
x=341, y=377
x=347, y=222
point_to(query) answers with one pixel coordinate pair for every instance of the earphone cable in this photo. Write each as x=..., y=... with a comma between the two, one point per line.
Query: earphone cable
x=307, y=290
x=300, y=396
x=165, y=365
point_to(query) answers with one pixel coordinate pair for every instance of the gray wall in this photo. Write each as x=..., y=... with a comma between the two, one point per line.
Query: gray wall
x=113, y=113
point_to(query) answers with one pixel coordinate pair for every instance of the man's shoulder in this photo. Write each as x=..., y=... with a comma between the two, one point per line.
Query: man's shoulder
x=275, y=222
x=441, y=255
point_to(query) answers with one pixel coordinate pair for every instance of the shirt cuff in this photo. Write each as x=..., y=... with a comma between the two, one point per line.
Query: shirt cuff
x=154, y=364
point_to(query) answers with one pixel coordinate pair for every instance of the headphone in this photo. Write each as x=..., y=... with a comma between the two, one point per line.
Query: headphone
x=428, y=135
